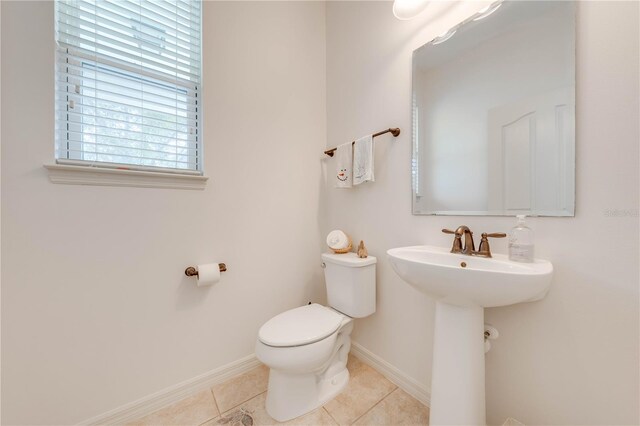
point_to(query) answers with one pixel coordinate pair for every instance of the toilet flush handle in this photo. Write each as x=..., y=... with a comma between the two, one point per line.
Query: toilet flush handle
x=323, y=265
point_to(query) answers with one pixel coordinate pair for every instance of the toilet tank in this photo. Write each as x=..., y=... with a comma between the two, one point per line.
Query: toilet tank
x=351, y=283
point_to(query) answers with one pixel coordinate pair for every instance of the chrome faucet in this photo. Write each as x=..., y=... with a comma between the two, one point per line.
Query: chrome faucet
x=469, y=246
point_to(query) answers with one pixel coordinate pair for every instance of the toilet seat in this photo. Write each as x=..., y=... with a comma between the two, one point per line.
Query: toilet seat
x=300, y=326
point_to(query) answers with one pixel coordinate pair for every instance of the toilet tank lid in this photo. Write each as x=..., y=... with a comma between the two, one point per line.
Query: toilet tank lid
x=348, y=259
x=300, y=326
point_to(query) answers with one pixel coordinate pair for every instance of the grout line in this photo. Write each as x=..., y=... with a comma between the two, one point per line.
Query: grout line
x=378, y=402
x=216, y=405
x=243, y=402
x=332, y=418
x=215, y=401
x=213, y=418
x=224, y=383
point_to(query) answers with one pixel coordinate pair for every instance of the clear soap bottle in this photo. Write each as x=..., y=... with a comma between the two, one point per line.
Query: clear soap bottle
x=521, y=242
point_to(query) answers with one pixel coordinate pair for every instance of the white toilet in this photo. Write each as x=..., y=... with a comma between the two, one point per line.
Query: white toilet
x=306, y=348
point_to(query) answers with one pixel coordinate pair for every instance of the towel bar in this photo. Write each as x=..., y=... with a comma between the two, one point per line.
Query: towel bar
x=395, y=131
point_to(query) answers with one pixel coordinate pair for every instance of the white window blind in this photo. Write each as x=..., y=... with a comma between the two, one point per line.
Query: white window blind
x=128, y=84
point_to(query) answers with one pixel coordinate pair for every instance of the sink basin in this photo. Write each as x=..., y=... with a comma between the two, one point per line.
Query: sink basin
x=462, y=287
x=464, y=280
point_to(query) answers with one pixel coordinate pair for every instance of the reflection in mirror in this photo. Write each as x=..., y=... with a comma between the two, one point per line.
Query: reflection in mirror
x=494, y=114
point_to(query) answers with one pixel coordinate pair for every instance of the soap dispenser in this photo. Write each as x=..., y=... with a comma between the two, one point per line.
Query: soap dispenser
x=521, y=242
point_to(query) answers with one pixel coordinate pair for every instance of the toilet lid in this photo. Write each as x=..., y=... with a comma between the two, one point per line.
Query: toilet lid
x=300, y=326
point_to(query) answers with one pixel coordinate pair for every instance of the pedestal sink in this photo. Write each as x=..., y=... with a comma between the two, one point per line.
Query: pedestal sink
x=463, y=286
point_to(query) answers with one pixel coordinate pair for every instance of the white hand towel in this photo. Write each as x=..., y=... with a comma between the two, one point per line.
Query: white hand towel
x=337, y=240
x=344, y=160
x=363, y=160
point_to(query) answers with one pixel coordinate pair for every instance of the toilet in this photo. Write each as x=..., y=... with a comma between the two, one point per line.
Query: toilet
x=306, y=348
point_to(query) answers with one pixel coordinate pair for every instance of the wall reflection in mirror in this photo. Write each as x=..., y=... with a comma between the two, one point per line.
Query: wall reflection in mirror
x=494, y=114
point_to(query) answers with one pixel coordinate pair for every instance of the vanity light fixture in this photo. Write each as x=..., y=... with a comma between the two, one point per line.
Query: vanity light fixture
x=409, y=9
x=483, y=13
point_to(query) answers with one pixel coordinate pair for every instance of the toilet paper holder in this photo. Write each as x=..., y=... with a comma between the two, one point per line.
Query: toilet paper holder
x=193, y=272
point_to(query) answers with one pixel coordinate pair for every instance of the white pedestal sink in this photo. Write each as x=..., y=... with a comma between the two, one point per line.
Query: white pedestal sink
x=463, y=286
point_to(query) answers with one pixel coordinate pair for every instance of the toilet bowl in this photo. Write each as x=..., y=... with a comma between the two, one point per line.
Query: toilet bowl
x=303, y=376
x=306, y=348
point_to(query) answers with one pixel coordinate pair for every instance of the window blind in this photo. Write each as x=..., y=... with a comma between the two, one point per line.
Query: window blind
x=128, y=84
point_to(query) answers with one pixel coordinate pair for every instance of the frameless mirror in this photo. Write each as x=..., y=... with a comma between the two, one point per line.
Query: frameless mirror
x=494, y=114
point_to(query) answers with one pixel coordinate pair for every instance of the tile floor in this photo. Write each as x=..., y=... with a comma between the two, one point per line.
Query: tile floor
x=369, y=399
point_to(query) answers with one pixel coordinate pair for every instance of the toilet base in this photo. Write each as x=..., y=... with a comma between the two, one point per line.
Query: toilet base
x=293, y=395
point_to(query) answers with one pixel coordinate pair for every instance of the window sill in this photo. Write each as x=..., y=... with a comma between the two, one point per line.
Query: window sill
x=83, y=175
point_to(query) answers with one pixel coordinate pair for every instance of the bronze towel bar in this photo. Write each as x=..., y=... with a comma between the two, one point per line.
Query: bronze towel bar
x=394, y=131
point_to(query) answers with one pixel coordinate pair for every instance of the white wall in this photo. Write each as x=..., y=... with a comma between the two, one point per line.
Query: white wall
x=571, y=358
x=96, y=310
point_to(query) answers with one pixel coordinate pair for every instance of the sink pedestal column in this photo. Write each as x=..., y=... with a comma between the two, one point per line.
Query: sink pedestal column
x=457, y=384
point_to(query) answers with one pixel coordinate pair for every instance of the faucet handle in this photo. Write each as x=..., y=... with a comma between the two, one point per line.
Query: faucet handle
x=449, y=231
x=494, y=235
x=484, y=250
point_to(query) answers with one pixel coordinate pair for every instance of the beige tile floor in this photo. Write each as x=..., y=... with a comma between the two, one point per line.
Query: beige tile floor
x=369, y=399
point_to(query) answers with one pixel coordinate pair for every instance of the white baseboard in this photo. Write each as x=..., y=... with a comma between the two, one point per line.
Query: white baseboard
x=175, y=393
x=402, y=380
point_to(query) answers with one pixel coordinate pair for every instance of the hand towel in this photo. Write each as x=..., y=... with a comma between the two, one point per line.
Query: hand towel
x=363, y=160
x=337, y=240
x=344, y=159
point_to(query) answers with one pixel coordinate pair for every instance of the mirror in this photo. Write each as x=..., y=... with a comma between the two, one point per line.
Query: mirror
x=494, y=114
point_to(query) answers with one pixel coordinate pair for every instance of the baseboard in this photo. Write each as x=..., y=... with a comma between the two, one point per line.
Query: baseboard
x=175, y=393
x=402, y=380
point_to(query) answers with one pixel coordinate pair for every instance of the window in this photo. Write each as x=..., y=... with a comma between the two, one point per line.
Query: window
x=128, y=84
